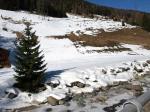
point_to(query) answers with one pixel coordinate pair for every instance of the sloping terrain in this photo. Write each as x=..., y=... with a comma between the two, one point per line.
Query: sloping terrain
x=59, y=8
x=69, y=63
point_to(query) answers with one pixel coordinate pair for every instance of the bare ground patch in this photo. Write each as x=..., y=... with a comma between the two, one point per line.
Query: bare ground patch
x=112, y=40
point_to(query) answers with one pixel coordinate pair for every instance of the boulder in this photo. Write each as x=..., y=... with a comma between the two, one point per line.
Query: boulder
x=147, y=107
x=137, y=93
x=53, y=83
x=49, y=110
x=138, y=69
x=67, y=111
x=78, y=84
x=148, y=61
x=147, y=73
x=42, y=88
x=4, y=58
x=145, y=64
x=135, y=86
x=116, y=83
x=124, y=69
x=112, y=70
x=67, y=98
x=101, y=98
x=11, y=93
x=104, y=71
x=52, y=101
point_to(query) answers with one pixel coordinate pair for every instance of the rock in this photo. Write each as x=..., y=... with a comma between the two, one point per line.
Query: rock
x=118, y=71
x=67, y=104
x=104, y=71
x=145, y=64
x=102, y=99
x=7, y=110
x=147, y=107
x=137, y=93
x=123, y=82
x=4, y=58
x=94, y=93
x=116, y=83
x=138, y=69
x=78, y=84
x=98, y=89
x=124, y=69
x=76, y=97
x=49, y=110
x=67, y=98
x=93, y=107
x=53, y=83
x=36, y=102
x=105, y=88
x=147, y=73
x=112, y=70
x=148, y=61
x=25, y=109
x=12, y=93
x=66, y=111
x=81, y=102
x=42, y=88
x=135, y=86
x=61, y=102
x=43, y=102
x=52, y=101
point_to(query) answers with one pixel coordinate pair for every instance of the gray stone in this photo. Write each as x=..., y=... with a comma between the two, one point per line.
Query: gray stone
x=104, y=71
x=67, y=104
x=66, y=111
x=138, y=69
x=145, y=64
x=135, y=86
x=102, y=99
x=78, y=84
x=124, y=69
x=148, y=61
x=147, y=73
x=12, y=95
x=49, y=110
x=53, y=84
x=116, y=83
x=52, y=101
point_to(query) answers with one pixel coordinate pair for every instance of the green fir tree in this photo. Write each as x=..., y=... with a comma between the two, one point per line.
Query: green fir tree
x=30, y=67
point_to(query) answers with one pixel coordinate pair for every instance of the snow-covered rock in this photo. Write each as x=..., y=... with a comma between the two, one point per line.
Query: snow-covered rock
x=11, y=93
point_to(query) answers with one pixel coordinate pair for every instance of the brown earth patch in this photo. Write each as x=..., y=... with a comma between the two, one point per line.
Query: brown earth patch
x=135, y=36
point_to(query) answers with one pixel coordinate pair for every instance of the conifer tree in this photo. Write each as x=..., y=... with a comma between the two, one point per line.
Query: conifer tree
x=30, y=65
x=146, y=22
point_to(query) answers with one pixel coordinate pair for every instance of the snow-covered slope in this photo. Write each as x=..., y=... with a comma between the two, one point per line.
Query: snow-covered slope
x=65, y=62
x=48, y=26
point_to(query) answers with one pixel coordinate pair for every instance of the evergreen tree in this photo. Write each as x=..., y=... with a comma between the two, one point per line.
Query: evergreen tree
x=146, y=22
x=30, y=65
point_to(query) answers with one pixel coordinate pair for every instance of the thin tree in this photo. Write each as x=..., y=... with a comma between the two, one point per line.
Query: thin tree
x=30, y=67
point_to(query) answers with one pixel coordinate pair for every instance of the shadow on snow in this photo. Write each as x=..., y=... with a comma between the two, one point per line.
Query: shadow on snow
x=52, y=74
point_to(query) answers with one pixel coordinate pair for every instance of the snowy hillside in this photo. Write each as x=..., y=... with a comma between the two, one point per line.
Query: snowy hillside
x=65, y=63
x=48, y=26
